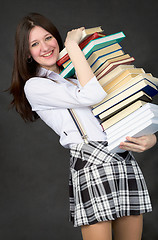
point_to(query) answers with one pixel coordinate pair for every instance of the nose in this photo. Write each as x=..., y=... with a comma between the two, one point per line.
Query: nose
x=44, y=46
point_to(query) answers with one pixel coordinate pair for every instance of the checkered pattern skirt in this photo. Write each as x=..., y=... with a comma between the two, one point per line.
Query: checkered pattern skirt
x=104, y=186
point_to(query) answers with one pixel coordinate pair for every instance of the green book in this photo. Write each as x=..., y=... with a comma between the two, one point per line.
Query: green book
x=92, y=46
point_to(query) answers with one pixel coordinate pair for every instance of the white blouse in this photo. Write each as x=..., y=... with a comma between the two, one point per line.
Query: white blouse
x=50, y=99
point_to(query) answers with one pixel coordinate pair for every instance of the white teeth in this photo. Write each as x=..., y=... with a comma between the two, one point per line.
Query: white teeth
x=48, y=54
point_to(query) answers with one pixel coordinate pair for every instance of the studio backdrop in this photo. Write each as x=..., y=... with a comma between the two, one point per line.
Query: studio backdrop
x=34, y=168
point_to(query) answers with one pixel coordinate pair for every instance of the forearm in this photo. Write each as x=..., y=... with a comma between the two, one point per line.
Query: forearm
x=82, y=68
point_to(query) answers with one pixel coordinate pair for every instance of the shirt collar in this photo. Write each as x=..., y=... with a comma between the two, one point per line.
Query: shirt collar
x=43, y=72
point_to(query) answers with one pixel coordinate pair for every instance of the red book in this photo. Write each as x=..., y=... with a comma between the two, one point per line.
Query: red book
x=66, y=57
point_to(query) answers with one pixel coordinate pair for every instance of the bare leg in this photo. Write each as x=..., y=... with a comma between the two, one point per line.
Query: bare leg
x=128, y=228
x=98, y=231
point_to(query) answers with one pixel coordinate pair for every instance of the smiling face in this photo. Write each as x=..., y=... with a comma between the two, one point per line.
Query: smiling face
x=44, y=48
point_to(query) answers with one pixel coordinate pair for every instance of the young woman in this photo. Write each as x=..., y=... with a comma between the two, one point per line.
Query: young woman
x=107, y=190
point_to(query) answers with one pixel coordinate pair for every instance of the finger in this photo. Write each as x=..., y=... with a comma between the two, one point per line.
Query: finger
x=131, y=147
x=82, y=28
x=136, y=140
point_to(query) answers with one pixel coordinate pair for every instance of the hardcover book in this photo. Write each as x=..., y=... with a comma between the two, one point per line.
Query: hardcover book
x=125, y=92
x=144, y=123
x=92, y=46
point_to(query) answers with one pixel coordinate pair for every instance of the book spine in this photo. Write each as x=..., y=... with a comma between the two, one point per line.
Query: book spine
x=92, y=46
x=151, y=91
x=81, y=45
x=112, y=66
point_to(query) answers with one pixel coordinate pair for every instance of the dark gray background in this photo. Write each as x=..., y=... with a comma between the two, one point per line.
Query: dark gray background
x=34, y=168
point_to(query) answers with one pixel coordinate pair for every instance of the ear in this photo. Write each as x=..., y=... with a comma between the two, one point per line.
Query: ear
x=30, y=59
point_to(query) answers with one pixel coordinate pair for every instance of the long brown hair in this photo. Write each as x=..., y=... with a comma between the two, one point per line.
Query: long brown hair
x=23, y=69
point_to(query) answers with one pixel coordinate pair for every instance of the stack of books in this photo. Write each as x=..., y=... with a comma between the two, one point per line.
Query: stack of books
x=130, y=90
x=142, y=121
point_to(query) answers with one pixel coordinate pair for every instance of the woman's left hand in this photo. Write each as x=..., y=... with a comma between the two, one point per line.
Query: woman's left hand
x=139, y=144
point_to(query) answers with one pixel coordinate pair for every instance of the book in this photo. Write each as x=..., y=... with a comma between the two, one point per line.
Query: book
x=63, y=55
x=122, y=114
x=102, y=52
x=125, y=92
x=103, y=67
x=148, y=124
x=114, y=73
x=149, y=127
x=65, y=64
x=90, y=31
x=122, y=79
x=126, y=122
x=102, y=59
x=135, y=80
x=125, y=103
x=85, y=33
x=133, y=123
x=92, y=46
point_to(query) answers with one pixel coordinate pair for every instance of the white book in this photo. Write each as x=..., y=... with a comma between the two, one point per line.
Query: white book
x=148, y=106
x=122, y=114
x=149, y=127
x=134, y=123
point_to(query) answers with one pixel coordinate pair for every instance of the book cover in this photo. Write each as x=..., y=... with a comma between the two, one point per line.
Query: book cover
x=133, y=122
x=120, y=106
x=122, y=114
x=98, y=57
x=103, y=67
x=102, y=52
x=63, y=55
x=147, y=108
x=114, y=73
x=100, y=60
x=113, y=98
x=92, y=46
x=85, y=34
x=135, y=80
x=122, y=79
x=145, y=128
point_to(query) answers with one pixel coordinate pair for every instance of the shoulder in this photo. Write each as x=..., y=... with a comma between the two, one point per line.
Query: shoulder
x=36, y=84
x=34, y=81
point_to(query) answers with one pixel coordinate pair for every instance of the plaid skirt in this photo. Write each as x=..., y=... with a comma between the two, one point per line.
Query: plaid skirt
x=104, y=186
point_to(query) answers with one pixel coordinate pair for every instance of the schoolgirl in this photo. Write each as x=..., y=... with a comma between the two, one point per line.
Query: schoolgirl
x=107, y=190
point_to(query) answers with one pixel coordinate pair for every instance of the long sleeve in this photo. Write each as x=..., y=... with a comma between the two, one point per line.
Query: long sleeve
x=43, y=93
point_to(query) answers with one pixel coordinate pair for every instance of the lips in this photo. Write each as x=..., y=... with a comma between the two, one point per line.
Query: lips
x=48, y=54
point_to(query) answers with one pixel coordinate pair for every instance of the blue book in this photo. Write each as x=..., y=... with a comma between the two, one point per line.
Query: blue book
x=127, y=90
x=92, y=46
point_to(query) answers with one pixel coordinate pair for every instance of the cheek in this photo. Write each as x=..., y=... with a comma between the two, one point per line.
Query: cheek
x=55, y=43
x=34, y=52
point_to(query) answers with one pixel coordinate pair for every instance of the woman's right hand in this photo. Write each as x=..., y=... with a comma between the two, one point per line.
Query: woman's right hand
x=74, y=35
